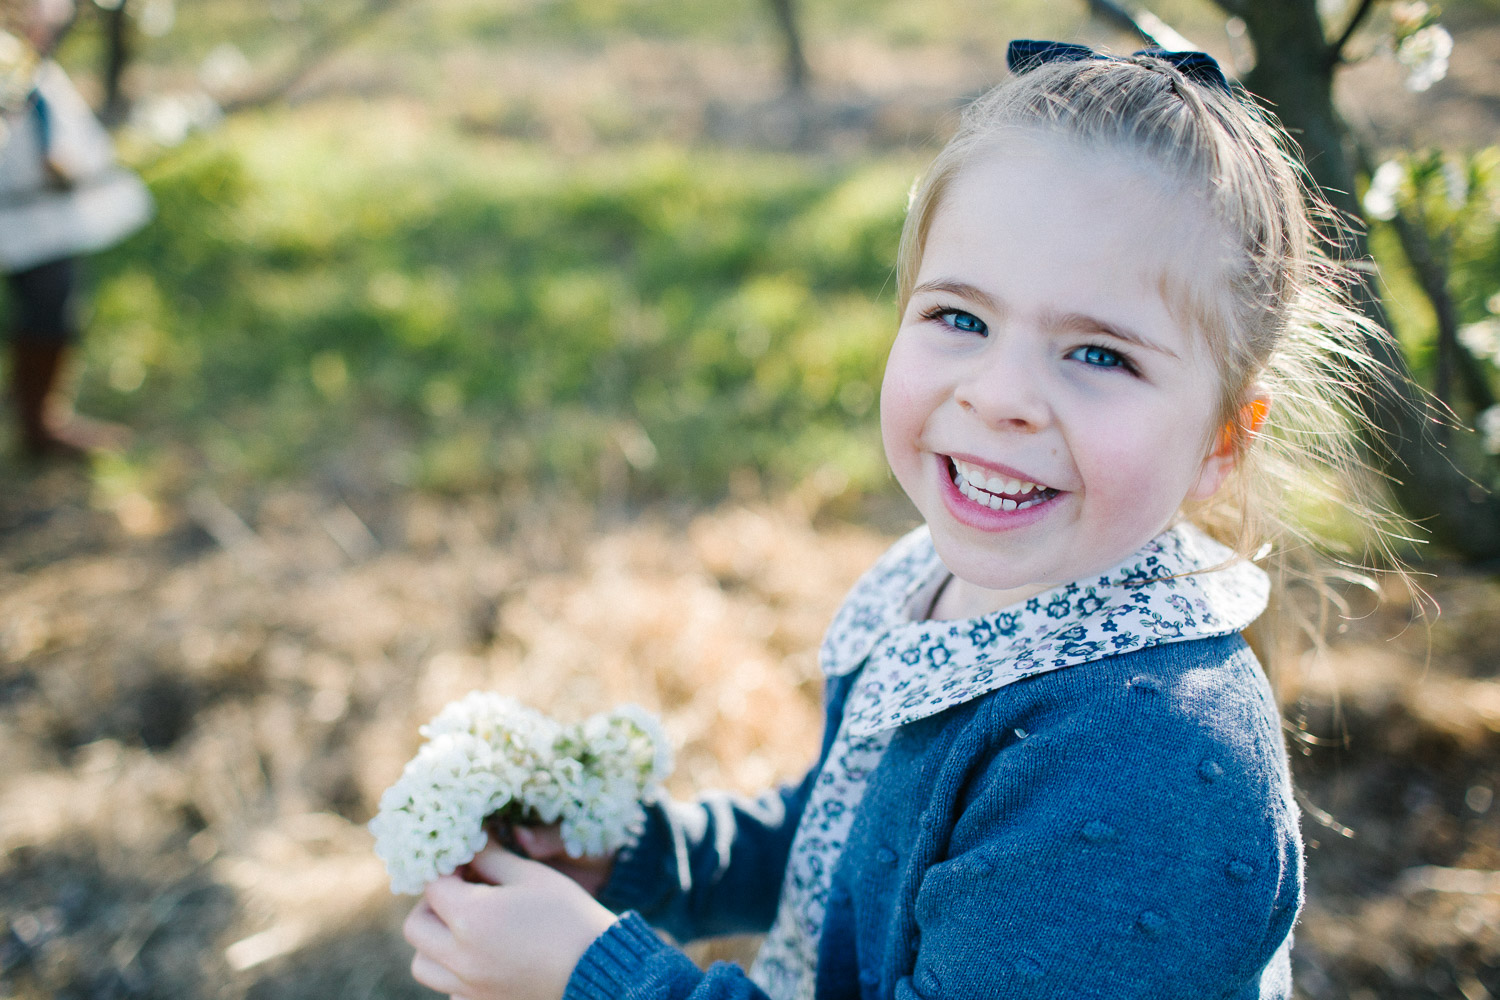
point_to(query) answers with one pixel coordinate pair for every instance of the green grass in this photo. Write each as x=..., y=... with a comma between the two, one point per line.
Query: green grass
x=508, y=313
x=366, y=278
x=485, y=313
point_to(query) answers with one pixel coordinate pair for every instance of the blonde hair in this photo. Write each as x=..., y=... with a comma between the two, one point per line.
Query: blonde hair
x=1279, y=314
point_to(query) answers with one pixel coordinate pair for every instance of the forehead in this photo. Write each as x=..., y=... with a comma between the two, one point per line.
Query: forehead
x=1095, y=224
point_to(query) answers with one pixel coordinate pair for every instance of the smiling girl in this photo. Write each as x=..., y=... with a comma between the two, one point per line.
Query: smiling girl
x=1052, y=767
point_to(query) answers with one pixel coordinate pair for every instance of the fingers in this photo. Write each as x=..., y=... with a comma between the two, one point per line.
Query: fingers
x=449, y=899
x=592, y=874
x=517, y=931
x=545, y=844
x=498, y=866
x=542, y=843
x=434, y=976
x=425, y=931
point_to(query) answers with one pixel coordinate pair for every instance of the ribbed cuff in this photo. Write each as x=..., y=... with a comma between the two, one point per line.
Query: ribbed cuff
x=613, y=963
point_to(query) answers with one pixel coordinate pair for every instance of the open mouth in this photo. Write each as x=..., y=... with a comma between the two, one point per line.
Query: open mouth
x=995, y=491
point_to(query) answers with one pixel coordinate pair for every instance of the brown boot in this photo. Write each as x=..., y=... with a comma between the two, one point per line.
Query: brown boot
x=48, y=427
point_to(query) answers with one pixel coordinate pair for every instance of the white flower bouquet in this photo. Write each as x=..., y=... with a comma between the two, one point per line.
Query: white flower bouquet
x=491, y=762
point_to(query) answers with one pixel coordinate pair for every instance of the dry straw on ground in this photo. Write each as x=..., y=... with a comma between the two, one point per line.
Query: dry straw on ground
x=196, y=722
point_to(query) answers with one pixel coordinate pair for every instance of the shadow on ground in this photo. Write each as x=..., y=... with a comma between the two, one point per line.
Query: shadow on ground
x=195, y=724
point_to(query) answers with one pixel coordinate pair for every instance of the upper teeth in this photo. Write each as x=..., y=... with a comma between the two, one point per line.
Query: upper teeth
x=977, y=476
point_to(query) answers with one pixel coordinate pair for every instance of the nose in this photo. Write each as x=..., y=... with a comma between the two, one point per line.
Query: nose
x=1004, y=388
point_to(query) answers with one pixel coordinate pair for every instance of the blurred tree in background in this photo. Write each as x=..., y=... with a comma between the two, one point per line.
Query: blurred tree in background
x=1299, y=47
x=1297, y=57
x=636, y=249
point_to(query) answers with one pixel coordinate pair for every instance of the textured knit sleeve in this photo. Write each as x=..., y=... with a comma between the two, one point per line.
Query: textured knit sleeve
x=709, y=867
x=714, y=866
x=699, y=869
x=629, y=962
x=1127, y=831
x=704, y=868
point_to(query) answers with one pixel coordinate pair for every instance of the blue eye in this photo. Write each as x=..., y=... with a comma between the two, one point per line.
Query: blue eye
x=956, y=319
x=965, y=321
x=1100, y=357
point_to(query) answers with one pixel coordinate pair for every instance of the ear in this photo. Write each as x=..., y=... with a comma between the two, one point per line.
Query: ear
x=1231, y=442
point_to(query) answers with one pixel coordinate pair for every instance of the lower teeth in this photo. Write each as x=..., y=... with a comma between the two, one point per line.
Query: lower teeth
x=990, y=500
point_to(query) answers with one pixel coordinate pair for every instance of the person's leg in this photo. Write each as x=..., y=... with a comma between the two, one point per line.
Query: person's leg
x=34, y=367
x=41, y=342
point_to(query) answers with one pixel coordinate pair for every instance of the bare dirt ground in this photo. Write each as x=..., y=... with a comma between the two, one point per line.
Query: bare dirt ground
x=199, y=707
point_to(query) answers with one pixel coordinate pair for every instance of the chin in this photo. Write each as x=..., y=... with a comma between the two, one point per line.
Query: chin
x=985, y=571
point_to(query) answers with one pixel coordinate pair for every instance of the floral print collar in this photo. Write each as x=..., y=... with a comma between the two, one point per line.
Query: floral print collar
x=1181, y=585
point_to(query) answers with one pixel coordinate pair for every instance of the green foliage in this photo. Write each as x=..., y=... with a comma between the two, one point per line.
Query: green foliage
x=654, y=316
x=651, y=318
x=353, y=278
x=1455, y=200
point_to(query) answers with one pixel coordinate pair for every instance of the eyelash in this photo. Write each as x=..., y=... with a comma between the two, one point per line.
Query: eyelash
x=1123, y=361
x=937, y=313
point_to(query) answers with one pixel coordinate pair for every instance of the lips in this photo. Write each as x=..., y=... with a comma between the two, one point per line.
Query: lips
x=999, y=492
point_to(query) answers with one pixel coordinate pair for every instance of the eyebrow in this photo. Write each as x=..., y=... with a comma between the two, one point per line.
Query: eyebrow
x=1073, y=319
x=962, y=289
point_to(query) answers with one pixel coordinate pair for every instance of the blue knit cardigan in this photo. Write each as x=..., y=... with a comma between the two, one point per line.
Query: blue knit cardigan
x=1118, y=829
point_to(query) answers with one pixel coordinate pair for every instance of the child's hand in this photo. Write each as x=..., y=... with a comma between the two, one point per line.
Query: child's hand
x=515, y=935
x=545, y=844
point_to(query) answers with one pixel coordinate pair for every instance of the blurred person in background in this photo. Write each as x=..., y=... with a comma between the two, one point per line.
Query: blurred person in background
x=61, y=195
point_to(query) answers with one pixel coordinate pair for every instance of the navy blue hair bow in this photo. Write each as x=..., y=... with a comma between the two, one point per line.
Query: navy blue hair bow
x=1025, y=55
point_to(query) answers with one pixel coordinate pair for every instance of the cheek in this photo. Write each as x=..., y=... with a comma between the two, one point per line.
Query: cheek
x=895, y=432
x=900, y=403
x=1154, y=471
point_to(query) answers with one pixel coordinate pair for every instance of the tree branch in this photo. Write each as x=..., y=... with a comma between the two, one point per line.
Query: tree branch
x=796, y=72
x=118, y=50
x=1432, y=274
x=1336, y=50
x=1234, y=8
x=313, y=54
x=1118, y=16
x=1151, y=28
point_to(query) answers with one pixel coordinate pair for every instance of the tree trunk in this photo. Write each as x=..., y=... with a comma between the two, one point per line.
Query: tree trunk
x=1294, y=73
x=319, y=46
x=116, y=60
x=785, y=12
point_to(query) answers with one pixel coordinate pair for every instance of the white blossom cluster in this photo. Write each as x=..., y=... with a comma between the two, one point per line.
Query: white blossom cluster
x=1489, y=429
x=1396, y=182
x=1455, y=182
x=1422, y=45
x=1382, y=198
x=490, y=757
x=1482, y=339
